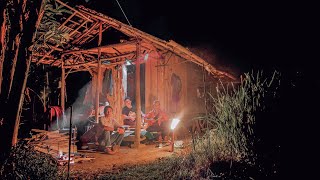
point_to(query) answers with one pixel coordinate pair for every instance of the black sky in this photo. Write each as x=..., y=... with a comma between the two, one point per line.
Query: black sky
x=247, y=35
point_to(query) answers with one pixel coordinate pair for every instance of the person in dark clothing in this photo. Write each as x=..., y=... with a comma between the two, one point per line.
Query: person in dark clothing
x=128, y=113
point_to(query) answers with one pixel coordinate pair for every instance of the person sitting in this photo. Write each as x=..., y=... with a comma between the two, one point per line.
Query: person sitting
x=101, y=108
x=108, y=140
x=158, y=121
x=128, y=114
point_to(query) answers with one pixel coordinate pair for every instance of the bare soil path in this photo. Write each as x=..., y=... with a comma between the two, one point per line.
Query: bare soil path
x=103, y=163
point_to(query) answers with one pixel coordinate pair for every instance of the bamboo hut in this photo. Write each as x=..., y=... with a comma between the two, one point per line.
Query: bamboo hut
x=86, y=40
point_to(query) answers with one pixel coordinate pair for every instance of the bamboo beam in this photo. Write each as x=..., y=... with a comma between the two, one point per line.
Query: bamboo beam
x=74, y=22
x=70, y=71
x=55, y=48
x=83, y=16
x=76, y=30
x=103, y=60
x=171, y=45
x=138, y=100
x=88, y=69
x=65, y=22
x=46, y=55
x=86, y=33
x=99, y=74
x=94, y=50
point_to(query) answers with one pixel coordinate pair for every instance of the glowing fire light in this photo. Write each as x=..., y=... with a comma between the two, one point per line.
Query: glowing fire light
x=174, y=123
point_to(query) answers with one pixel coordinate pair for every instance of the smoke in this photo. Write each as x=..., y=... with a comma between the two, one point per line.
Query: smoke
x=213, y=57
x=81, y=108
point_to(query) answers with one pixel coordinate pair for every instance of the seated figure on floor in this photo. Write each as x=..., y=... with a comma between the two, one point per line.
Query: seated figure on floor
x=110, y=141
x=158, y=121
x=128, y=113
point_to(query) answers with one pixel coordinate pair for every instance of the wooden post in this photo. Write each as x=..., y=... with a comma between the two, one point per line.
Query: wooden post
x=63, y=85
x=99, y=74
x=138, y=100
x=17, y=122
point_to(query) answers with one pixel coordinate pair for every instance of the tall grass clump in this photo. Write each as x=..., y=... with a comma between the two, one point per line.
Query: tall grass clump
x=232, y=112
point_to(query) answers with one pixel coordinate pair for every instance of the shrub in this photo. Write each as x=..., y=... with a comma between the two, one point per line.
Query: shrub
x=24, y=162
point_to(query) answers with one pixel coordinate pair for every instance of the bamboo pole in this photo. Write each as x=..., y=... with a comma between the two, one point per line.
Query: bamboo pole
x=86, y=33
x=83, y=16
x=63, y=84
x=15, y=59
x=138, y=100
x=99, y=74
x=3, y=41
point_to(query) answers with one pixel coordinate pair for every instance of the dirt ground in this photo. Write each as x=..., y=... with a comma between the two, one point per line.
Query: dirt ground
x=126, y=156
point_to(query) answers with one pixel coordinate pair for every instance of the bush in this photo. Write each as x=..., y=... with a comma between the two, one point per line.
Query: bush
x=232, y=113
x=24, y=162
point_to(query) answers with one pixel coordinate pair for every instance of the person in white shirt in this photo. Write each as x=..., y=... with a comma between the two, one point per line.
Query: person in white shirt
x=110, y=140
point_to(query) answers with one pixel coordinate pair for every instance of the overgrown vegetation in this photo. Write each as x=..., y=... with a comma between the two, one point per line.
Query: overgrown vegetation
x=26, y=163
x=227, y=149
x=49, y=32
x=233, y=115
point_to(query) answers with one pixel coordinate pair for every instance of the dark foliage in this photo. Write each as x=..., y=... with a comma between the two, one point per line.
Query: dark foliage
x=26, y=163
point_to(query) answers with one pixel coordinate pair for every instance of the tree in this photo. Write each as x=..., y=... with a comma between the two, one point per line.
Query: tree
x=19, y=19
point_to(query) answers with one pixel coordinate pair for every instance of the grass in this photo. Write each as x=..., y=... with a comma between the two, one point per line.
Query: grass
x=227, y=149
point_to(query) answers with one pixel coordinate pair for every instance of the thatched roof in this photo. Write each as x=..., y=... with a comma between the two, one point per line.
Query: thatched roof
x=77, y=28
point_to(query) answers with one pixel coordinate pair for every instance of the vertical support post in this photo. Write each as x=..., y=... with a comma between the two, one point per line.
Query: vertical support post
x=172, y=141
x=138, y=99
x=99, y=74
x=70, y=134
x=63, y=84
x=44, y=89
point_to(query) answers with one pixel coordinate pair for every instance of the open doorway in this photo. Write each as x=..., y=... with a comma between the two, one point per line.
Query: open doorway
x=131, y=84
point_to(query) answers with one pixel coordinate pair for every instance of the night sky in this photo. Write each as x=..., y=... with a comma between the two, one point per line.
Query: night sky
x=243, y=35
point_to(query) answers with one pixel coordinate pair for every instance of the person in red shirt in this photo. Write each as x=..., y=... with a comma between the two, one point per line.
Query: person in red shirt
x=158, y=121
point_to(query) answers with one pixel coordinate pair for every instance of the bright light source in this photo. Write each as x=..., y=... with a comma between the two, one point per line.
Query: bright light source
x=128, y=62
x=146, y=57
x=174, y=123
